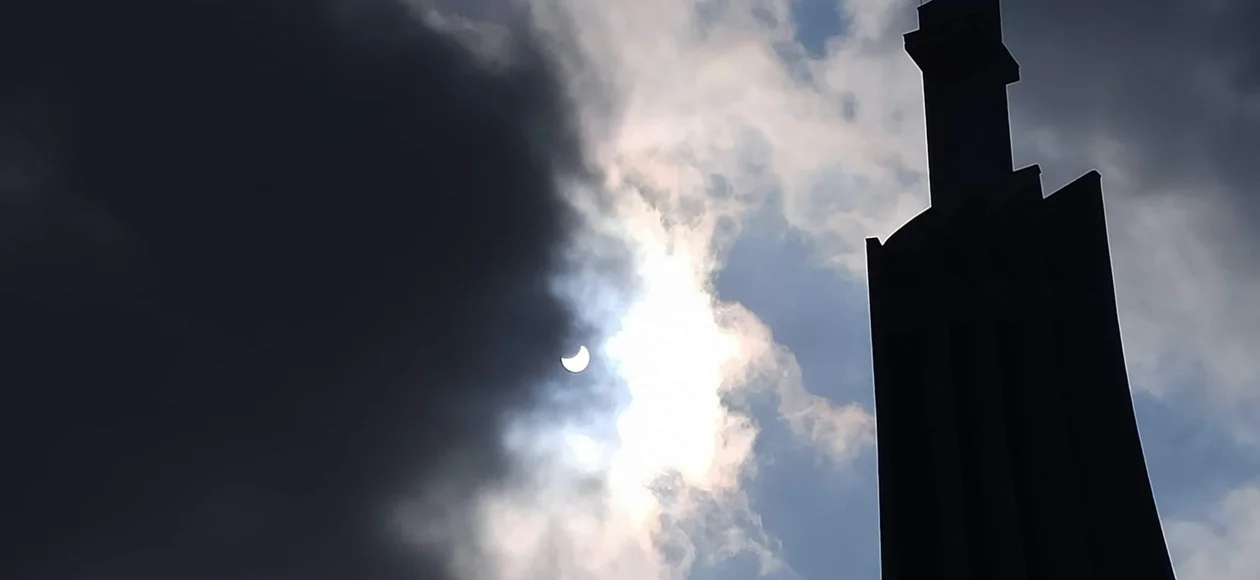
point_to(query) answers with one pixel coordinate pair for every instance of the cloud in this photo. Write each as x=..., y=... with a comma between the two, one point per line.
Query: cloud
x=1161, y=99
x=711, y=118
x=837, y=430
x=689, y=133
x=650, y=481
x=268, y=269
x=722, y=89
x=1223, y=546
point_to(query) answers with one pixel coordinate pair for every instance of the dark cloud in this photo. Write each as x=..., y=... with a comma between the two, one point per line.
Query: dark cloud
x=1175, y=82
x=266, y=266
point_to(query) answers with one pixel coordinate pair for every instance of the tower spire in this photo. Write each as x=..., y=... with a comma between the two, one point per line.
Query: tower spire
x=965, y=72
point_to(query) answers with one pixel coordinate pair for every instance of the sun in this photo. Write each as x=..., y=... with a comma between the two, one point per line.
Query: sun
x=578, y=362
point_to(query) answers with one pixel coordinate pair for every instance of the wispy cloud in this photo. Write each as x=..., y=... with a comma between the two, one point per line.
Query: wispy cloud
x=1223, y=546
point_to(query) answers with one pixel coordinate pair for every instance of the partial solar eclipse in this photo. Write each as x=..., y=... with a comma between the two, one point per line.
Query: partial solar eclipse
x=578, y=362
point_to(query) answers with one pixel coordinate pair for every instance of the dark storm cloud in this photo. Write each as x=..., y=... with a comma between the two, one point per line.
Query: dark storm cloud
x=266, y=266
x=1176, y=82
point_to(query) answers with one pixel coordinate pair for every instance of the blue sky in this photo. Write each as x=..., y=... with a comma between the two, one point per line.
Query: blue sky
x=826, y=517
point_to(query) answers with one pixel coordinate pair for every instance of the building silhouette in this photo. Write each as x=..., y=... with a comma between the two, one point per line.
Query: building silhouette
x=1008, y=447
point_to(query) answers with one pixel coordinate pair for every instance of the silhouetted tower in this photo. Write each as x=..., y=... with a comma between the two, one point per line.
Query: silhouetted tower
x=1008, y=448
x=965, y=72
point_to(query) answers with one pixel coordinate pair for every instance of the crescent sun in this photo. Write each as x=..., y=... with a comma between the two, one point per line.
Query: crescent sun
x=578, y=362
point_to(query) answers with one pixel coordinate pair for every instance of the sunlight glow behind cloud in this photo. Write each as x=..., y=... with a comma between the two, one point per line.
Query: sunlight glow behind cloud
x=692, y=122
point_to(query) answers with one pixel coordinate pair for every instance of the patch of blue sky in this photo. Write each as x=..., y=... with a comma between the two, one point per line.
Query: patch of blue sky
x=825, y=515
x=816, y=22
x=1193, y=459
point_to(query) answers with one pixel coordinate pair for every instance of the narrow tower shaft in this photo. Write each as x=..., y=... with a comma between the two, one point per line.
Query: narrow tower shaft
x=965, y=72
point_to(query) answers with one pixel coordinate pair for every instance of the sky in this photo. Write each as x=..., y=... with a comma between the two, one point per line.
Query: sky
x=285, y=284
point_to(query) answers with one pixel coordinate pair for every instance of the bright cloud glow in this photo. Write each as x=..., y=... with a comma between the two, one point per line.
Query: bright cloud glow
x=592, y=506
x=706, y=122
x=671, y=353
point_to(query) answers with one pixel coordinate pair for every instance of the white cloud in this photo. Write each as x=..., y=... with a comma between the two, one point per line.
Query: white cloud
x=1185, y=307
x=703, y=89
x=1224, y=546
